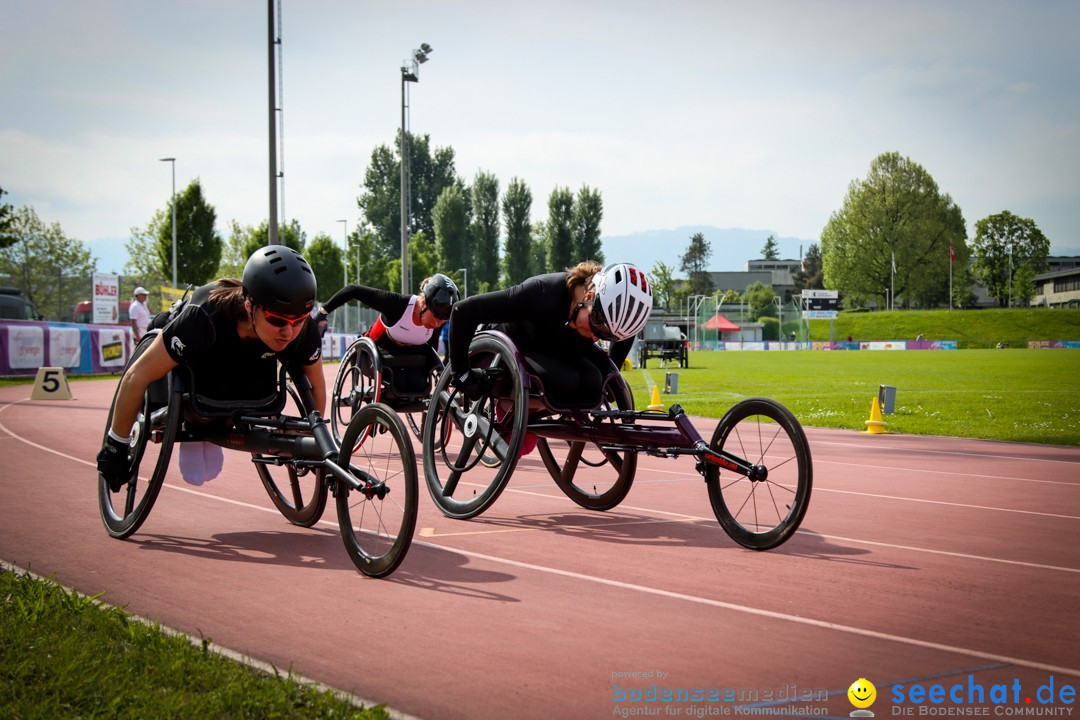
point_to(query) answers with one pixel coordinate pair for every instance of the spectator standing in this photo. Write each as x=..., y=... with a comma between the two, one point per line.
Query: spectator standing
x=139, y=314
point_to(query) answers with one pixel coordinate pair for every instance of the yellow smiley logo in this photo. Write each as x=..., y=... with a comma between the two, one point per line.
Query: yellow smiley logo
x=862, y=693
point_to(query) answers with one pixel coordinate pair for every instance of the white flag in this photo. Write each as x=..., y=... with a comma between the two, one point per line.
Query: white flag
x=894, y=262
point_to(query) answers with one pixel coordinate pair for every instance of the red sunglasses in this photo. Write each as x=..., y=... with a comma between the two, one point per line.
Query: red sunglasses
x=280, y=321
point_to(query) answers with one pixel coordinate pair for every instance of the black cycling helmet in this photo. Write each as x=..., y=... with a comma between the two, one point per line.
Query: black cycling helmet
x=280, y=279
x=440, y=293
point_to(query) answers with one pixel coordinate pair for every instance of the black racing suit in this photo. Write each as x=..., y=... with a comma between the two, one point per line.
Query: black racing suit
x=534, y=315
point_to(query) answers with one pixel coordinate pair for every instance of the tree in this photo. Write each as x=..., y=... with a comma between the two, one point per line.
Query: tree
x=695, y=263
x=451, y=229
x=517, y=252
x=324, y=257
x=198, y=250
x=380, y=200
x=1023, y=285
x=540, y=247
x=374, y=268
x=662, y=277
x=6, y=219
x=588, y=213
x=1004, y=243
x=771, y=251
x=485, y=230
x=143, y=263
x=896, y=212
x=810, y=275
x=560, y=232
x=731, y=297
x=423, y=259
x=53, y=270
x=759, y=300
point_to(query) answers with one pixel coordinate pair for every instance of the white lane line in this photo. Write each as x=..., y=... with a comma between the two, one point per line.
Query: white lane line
x=811, y=622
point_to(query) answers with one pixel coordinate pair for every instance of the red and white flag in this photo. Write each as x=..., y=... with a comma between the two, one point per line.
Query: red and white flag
x=952, y=254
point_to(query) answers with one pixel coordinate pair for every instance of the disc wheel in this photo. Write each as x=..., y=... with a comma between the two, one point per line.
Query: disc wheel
x=377, y=518
x=471, y=447
x=764, y=512
x=299, y=495
x=563, y=459
x=358, y=382
x=154, y=434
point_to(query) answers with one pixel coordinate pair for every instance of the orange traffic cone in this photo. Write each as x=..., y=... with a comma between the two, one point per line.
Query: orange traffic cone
x=875, y=425
x=656, y=404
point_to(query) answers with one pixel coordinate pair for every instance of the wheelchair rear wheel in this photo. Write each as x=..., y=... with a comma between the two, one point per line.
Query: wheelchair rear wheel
x=764, y=512
x=377, y=518
x=471, y=447
x=358, y=382
x=154, y=434
x=563, y=459
x=299, y=495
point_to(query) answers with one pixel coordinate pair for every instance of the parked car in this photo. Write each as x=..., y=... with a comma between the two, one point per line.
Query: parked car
x=84, y=313
x=15, y=306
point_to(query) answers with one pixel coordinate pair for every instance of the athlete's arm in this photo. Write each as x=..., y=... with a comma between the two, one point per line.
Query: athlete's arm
x=152, y=365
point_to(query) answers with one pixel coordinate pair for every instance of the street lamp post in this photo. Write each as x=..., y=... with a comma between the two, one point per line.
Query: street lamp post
x=173, y=161
x=464, y=282
x=410, y=72
x=345, y=261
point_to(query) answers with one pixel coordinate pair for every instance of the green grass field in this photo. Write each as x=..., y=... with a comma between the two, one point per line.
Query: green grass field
x=1012, y=395
x=971, y=328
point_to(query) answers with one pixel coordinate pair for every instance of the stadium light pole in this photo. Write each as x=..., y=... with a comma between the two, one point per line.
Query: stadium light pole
x=410, y=72
x=345, y=261
x=172, y=160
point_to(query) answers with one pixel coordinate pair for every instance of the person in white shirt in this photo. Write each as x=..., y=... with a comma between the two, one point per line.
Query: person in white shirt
x=139, y=314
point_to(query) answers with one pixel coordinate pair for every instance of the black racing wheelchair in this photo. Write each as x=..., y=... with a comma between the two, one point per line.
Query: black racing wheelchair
x=370, y=374
x=472, y=446
x=370, y=469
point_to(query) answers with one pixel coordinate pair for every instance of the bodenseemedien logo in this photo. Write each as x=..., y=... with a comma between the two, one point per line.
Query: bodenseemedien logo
x=862, y=695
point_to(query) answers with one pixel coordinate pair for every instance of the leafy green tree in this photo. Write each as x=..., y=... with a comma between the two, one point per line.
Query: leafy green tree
x=896, y=212
x=374, y=268
x=662, y=277
x=380, y=201
x=199, y=246
x=560, y=230
x=730, y=297
x=485, y=230
x=5, y=221
x=290, y=235
x=771, y=251
x=1023, y=285
x=810, y=276
x=695, y=263
x=233, y=256
x=541, y=249
x=53, y=270
x=451, y=230
x=1004, y=243
x=324, y=256
x=759, y=300
x=517, y=252
x=143, y=263
x=423, y=259
x=588, y=214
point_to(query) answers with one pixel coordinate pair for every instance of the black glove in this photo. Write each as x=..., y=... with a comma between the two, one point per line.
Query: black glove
x=470, y=383
x=113, y=463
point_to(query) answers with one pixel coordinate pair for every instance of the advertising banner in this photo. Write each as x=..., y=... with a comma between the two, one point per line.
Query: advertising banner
x=106, y=299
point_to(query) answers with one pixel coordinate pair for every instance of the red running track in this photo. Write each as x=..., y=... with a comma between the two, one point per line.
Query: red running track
x=921, y=560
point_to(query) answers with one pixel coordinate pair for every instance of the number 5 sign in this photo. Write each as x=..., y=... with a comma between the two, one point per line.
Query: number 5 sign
x=51, y=384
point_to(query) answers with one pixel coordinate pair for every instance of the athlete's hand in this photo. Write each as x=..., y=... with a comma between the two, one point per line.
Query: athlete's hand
x=471, y=383
x=113, y=463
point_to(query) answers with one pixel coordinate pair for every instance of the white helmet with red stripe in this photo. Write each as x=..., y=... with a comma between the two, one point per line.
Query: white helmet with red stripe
x=623, y=302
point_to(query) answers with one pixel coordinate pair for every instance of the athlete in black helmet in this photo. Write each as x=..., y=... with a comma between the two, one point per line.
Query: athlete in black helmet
x=231, y=334
x=406, y=323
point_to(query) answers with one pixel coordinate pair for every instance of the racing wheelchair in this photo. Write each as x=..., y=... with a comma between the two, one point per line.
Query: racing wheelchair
x=369, y=374
x=472, y=446
x=371, y=472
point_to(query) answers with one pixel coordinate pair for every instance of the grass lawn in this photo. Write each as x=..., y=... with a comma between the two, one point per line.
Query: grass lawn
x=1014, y=395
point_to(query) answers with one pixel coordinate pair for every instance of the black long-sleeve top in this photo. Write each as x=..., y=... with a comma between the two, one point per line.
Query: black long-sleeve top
x=390, y=305
x=539, y=307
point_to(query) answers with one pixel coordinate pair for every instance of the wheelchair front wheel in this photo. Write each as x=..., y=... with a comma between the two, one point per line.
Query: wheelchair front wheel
x=154, y=434
x=762, y=513
x=358, y=382
x=377, y=518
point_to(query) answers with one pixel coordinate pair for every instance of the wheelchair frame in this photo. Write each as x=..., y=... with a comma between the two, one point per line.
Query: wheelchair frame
x=758, y=441
x=356, y=472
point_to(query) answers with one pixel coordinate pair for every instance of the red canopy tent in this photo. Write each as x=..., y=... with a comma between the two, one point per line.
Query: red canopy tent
x=718, y=322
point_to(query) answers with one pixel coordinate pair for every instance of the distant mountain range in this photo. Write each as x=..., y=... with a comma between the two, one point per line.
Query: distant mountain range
x=731, y=247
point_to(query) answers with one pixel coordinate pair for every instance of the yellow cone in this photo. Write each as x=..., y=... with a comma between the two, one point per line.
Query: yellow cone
x=656, y=404
x=875, y=425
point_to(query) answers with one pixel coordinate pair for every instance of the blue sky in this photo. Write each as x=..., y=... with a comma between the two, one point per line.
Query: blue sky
x=731, y=114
